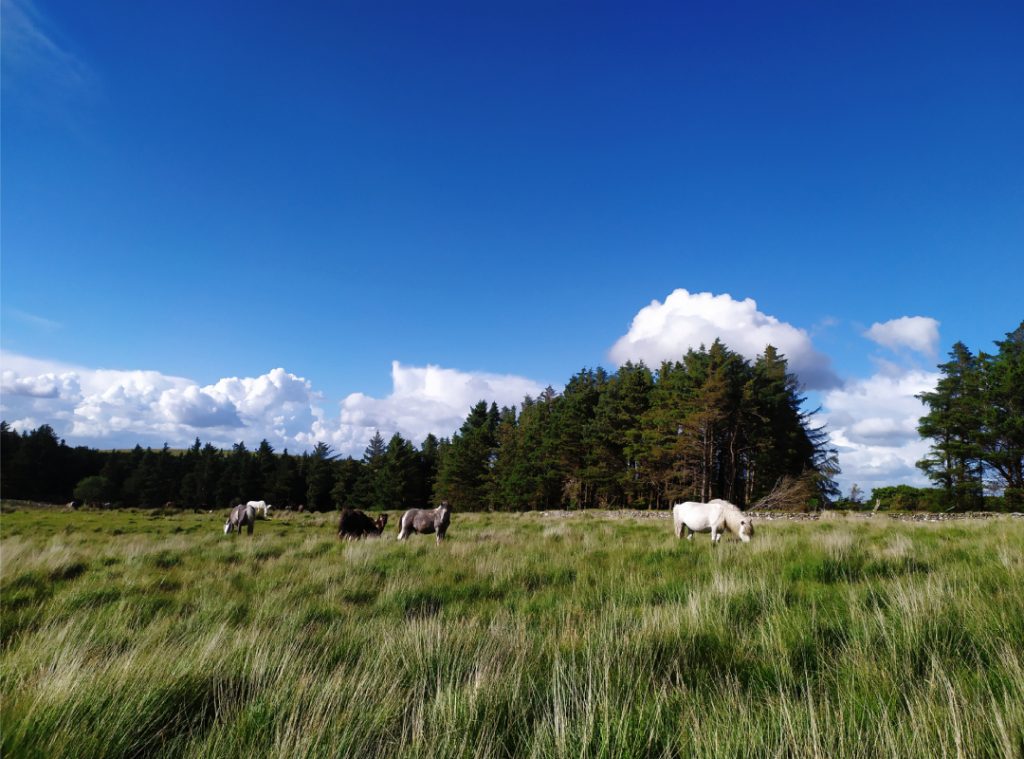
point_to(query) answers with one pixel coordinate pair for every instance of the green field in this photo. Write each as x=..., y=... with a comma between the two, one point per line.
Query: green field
x=138, y=634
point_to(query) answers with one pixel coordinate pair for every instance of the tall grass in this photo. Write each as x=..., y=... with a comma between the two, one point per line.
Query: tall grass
x=128, y=634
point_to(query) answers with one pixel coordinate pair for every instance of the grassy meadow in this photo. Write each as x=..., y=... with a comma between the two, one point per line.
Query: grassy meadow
x=136, y=634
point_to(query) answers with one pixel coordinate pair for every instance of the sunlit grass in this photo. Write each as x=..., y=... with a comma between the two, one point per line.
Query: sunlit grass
x=130, y=634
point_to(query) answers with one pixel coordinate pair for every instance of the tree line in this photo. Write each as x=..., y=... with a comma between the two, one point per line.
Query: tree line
x=39, y=466
x=975, y=423
x=710, y=425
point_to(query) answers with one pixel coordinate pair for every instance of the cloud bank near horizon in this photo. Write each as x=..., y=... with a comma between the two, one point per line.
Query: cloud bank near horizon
x=666, y=331
x=118, y=408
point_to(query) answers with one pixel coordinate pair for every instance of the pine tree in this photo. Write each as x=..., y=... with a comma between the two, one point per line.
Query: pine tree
x=1001, y=439
x=464, y=472
x=235, y=479
x=665, y=456
x=320, y=478
x=399, y=474
x=508, y=489
x=427, y=462
x=616, y=438
x=574, y=420
x=264, y=469
x=37, y=467
x=953, y=424
x=347, y=474
x=286, y=488
x=368, y=490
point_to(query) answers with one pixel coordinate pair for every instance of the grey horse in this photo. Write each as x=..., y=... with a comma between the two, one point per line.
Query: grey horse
x=242, y=514
x=426, y=521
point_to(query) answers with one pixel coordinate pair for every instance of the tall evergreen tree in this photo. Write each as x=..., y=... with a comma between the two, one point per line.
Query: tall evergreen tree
x=235, y=483
x=573, y=424
x=12, y=481
x=1002, y=435
x=320, y=478
x=510, y=487
x=264, y=470
x=953, y=425
x=368, y=490
x=286, y=488
x=464, y=473
x=37, y=467
x=428, y=462
x=616, y=436
x=399, y=474
x=348, y=473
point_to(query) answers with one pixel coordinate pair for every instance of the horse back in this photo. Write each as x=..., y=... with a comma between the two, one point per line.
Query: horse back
x=699, y=517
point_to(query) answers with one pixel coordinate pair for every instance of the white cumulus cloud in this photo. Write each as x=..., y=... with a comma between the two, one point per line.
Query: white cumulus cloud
x=665, y=331
x=430, y=398
x=872, y=422
x=46, y=385
x=196, y=407
x=918, y=333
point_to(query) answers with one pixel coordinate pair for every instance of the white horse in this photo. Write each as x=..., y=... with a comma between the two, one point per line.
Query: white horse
x=261, y=509
x=714, y=517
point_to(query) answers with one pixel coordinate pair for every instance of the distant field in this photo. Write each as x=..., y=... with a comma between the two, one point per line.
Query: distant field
x=130, y=634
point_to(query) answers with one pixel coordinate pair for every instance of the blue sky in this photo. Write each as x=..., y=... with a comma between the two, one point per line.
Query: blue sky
x=194, y=195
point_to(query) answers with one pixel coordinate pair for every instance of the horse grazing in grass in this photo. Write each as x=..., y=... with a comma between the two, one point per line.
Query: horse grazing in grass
x=261, y=509
x=426, y=521
x=239, y=516
x=714, y=517
x=354, y=524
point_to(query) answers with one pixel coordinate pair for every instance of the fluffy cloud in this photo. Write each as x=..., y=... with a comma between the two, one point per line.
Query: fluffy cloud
x=665, y=331
x=46, y=385
x=112, y=408
x=196, y=407
x=430, y=399
x=873, y=424
x=918, y=333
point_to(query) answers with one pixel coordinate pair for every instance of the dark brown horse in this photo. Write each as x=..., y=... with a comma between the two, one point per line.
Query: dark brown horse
x=426, y=521
x=354, y=524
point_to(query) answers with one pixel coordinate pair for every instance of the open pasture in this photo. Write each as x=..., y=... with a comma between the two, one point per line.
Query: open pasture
x=135, y=634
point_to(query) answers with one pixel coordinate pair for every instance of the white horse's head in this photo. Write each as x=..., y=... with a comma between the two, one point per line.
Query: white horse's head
x=745, y=529
x=737, y=522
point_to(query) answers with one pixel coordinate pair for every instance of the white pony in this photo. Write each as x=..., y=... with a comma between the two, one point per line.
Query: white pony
x=714, y=517
x=260, y=508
